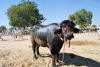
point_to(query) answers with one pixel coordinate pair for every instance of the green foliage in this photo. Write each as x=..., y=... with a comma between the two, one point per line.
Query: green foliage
x=2, y=28
x=82, y=18
x=25, y=14
x=93, y=26
x=11, y=28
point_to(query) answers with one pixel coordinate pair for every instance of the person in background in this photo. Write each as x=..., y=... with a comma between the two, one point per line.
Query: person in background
x=15, y=32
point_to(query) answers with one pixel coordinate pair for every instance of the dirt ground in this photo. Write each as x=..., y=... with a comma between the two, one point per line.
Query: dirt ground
x=84, y=52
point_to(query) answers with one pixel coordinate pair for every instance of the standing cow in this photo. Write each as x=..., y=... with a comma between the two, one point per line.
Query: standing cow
x=52, y=36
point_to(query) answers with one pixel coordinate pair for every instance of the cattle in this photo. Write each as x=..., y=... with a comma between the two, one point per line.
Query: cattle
x=20, y=35
x=53, y=37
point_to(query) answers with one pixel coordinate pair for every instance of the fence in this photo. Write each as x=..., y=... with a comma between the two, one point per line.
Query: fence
x=88, y=35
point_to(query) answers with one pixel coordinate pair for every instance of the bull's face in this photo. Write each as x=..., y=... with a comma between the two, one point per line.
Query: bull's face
x=67, y=32
x=67, y=28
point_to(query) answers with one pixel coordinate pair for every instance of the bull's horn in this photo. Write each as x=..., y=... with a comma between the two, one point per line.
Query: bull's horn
x=59, y=26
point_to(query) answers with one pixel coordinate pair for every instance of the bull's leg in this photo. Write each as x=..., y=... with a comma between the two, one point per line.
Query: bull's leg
x=53, y=57
x=34, y=47
x=57, y=58
x=37, y=49
x=53, y=60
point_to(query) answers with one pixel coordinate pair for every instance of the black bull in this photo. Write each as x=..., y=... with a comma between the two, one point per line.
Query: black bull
x=48, y=36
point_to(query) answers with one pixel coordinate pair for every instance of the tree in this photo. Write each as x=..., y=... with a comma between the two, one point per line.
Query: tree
x=11, y=28
x=25, y=14
x=82, y=18
x=2, y=28
x=93, y=26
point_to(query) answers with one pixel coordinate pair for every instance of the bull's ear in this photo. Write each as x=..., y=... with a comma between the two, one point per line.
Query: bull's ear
x=76, y=30
x=59, y=31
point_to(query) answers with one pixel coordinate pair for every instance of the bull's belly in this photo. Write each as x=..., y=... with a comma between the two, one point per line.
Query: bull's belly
x=41, y=42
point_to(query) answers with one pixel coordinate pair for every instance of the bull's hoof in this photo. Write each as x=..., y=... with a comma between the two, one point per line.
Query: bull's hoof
x=34, y=58
x=38, y=55
x=57, y=63
x=53, y=65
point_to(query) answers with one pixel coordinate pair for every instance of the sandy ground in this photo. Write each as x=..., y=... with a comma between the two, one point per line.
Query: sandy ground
x=84, y=52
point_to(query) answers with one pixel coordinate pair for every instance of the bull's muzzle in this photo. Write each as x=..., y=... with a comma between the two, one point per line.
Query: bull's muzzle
x=69, y=36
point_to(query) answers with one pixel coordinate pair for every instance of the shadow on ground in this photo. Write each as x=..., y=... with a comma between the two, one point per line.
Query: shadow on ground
x=72, y=59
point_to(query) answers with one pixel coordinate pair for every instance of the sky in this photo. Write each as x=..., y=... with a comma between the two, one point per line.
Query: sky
x=55, y=11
